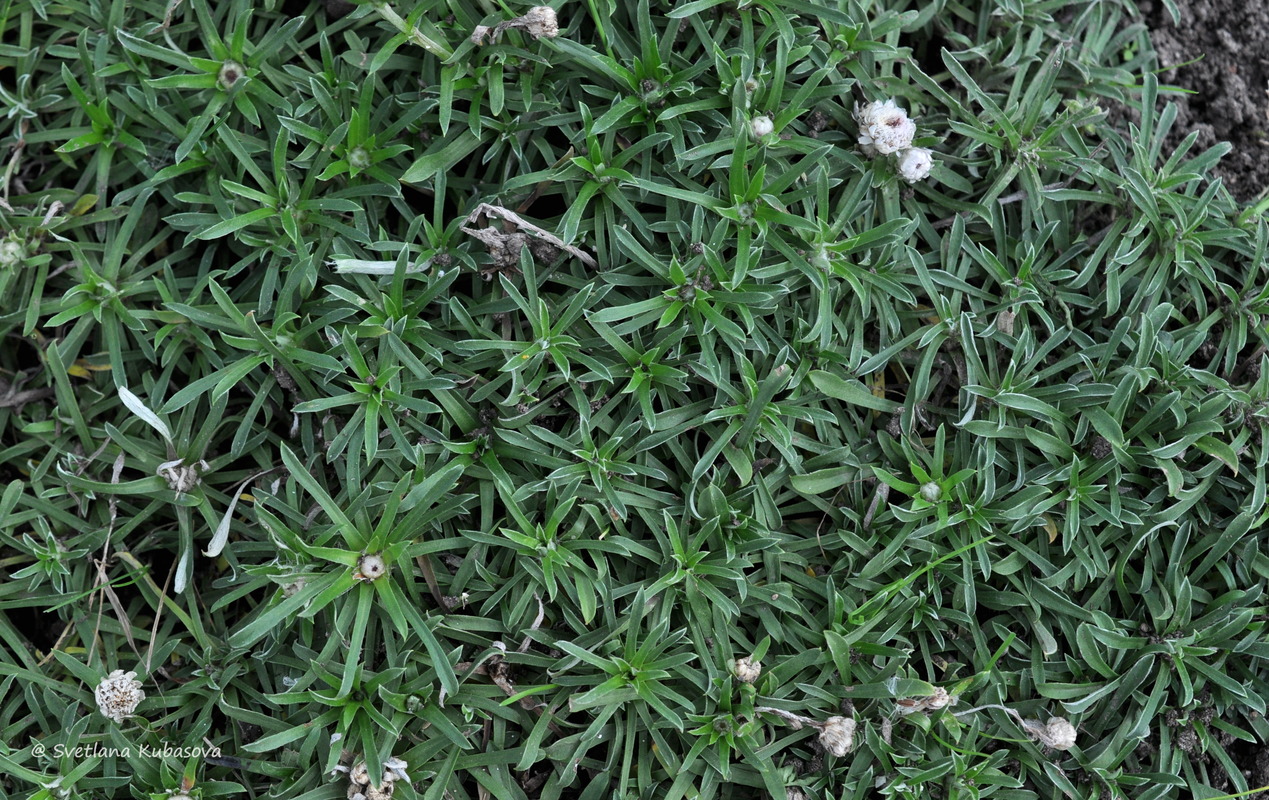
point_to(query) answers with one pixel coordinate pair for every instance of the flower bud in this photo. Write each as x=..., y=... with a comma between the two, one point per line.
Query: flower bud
x=359, y=158
x=915, y=164
x=761, y=126
x=371, y=567
x=230, y=72
x=931, y=492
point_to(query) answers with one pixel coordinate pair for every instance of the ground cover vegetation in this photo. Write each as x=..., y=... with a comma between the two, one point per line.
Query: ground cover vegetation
x=470, y=400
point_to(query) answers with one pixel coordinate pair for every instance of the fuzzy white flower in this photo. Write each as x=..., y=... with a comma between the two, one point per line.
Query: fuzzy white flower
x=884, y=128
x=761, y=126
x=119, y=695
x=915, y=164
x=931, y=492
x=837, y=734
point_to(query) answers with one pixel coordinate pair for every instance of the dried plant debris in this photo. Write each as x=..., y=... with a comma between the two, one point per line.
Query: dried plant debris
x=539, y=22
x=504, y=248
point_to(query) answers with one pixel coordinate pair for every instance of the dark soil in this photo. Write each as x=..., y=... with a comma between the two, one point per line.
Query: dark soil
x=1231, y=82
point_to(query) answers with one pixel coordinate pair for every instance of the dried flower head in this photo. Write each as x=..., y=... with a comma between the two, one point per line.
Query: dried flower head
x=884, y=128
x=182, y=477
x=394, y=769
x=1004, y=321
x=541, y=21
x=360, y=788
x=1061, y=733
x=935, y=702
x=915, y=164
x=360, y=774
x=1057, y=733
x=119, y=695
x=837, y=734
x=747, y=670
x=940, y=699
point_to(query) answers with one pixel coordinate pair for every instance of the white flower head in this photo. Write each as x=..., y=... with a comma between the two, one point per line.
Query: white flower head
x=119, y=695
x=837, y=734
x=761, y=126
x=915, y=164
x=884, y=128
x=747, y=670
